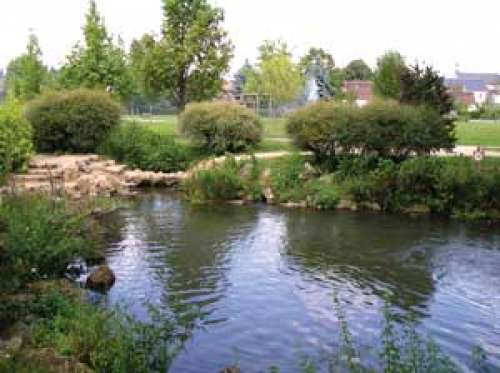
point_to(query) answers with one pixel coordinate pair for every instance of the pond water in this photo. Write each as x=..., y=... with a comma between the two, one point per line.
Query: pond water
x=265, y=278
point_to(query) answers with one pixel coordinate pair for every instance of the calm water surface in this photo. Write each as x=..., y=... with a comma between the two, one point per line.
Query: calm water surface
x=265, y=278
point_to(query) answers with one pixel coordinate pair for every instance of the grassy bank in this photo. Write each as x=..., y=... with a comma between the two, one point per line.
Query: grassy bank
x=49, y=325
x=445, y=186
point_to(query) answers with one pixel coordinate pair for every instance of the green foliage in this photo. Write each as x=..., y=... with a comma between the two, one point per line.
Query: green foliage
x=26, y=73
x=142, y=61
x=276, y=74
x=387, y=79
x=317, y=55
x=377, y=186
x=358, y=70
x=38, y=237
x=74, y=121
x=229, y=180
x=320, y=127
x=140, y=147
x=286, y=178
x=110, y=341
x=188, y=62
x=99, y=63
x=15, y=139
x=219, y=127
x=382, y=128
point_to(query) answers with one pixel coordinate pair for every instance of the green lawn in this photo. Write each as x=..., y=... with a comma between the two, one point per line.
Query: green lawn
x=275, y=137
x=478, y=133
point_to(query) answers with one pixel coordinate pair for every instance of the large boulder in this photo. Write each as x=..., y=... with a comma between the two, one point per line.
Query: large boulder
x=101, y=279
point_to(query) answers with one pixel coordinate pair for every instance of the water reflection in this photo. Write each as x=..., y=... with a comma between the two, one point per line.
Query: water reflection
x=266, y=277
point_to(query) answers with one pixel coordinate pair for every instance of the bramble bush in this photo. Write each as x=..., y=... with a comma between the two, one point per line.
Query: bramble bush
x=139, y=147
x=72, y=121
x=219, y=127
x=15, y=139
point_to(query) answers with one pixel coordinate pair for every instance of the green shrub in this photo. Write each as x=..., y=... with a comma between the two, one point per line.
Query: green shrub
x=109, y=341
x=421, y=181
x=322, y=127
x=219, y=127
x=377, y=186
x=322, y=194
x=38, y=237
x=382, y=128
x=287, y=181
x=15, y=139
x=229, y=180
x=72, y=121
x=139, y=147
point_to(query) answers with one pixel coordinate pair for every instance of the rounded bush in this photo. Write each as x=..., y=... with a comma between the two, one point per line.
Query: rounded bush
x=382, y=128
x=15, y=139
x=322, y=127
x=219, y=127
x=72, y=121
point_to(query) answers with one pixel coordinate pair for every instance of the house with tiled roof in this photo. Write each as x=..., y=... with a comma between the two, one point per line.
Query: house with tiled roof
x=484, y=87
x=361, y=89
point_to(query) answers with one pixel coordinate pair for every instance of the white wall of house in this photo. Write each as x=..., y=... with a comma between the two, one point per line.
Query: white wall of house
x=480, y=97
x=495, y=99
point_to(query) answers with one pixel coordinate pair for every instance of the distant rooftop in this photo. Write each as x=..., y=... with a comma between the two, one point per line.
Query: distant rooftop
x=487, y=78
x=469, y=85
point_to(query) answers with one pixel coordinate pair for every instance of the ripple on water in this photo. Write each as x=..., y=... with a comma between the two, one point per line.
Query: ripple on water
x=266, y=278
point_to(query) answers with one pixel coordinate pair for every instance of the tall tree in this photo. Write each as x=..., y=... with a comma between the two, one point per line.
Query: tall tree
x=425, y=86
x=194, y=52
x=142, y=64
x=387, y=79
x=358, y=70
x=317, y=56
x=276, y=74
x=98, y=63
x=241, y=77
x=26, y=73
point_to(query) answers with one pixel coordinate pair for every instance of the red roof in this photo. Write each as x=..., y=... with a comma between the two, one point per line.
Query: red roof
x=466, y=98
x=363, y=89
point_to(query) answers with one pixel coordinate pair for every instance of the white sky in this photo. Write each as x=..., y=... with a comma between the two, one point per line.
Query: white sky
x=441, y=32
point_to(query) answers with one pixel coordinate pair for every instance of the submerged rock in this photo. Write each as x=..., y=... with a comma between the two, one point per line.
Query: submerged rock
x=102, y=278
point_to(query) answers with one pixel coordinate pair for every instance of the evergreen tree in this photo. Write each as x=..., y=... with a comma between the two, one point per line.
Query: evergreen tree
x=26, y=73
x=99, y=63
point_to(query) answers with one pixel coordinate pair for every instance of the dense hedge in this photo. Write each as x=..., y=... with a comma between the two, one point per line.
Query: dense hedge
x=139, y=147
x=219, y=127
x=443, y=185
x=382, y=128
x=15, y=139
x=72, y=121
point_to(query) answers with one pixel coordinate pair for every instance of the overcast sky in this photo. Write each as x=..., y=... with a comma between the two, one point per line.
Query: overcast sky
x=440, y=32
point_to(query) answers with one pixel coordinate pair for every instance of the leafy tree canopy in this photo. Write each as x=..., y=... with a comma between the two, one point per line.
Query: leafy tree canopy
x=194, y=53
x=26, y=73
x=98, y=63
x=358, y=70
x=317, y=55
x=276, y=74
x=387, y=79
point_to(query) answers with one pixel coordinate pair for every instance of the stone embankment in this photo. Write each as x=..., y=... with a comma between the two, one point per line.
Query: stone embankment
x=85, y=175
x=91, y=175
